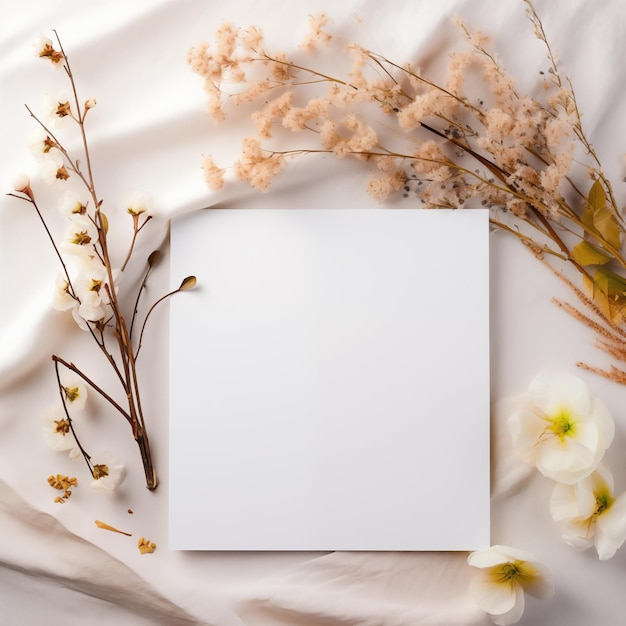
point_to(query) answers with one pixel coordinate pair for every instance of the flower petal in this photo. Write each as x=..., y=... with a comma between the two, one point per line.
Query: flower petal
x=564, y=502
x=493, y=597
x=542, y=585
x=515, y=614
x=565, y=461
x=526, y=429
x=604, y=420
x=553, y=390
x=611, y=529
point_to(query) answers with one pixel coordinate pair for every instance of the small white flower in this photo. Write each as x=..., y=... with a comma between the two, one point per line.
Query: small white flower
x=21, y=182
x=44, y=49
x=71, y=205
x=74, y=391
x=562, y=429
x=57, y=110
x=56, y=429
x=90, y=284
x=53, y=169
x=108, y=473
x=591, y=513
x=61, y=299
x=137, y=202
x=505, y=575
x=41, y=144
x=80, y=237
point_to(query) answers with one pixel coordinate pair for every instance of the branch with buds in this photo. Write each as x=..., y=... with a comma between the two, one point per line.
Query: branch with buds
x=88, y=283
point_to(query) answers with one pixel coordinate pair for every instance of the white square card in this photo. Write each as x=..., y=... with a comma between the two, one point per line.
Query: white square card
x=330, y=380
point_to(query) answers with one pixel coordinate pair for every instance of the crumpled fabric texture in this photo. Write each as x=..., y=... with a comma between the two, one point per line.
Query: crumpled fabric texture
x=149, y=133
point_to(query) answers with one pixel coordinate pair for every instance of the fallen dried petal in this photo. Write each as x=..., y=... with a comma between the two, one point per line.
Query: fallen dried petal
x=146, y=546
x=104, y=526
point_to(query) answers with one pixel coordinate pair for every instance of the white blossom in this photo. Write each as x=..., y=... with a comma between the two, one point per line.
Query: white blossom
x=71, y=205
x=21, y=182
x=41, y=144
x=53, y=169
x=108, y=473
x=57, y=110
x=74, y=391
x=561, y=428
x=137, y=202
x=44, y=49
x=80, y=236
x=505, y=575
x=61, y=299
x=56, y=429
x=591, y=514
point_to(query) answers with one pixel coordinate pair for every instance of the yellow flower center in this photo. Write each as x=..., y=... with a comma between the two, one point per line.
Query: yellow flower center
x=71, y=393
x=510, y=573
x=604, y=500
x=62, y=427
x=562, y=425
x=81, y=238
x=96, y=285
x=100, y=471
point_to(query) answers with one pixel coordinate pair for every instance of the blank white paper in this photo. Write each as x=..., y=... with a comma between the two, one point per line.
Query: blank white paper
x=330, y=380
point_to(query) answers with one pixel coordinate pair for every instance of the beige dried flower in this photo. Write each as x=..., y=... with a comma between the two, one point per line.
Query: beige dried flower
x=146, y=546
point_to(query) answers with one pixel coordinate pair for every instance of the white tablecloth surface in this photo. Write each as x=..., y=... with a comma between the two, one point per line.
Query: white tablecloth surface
x=148, y=131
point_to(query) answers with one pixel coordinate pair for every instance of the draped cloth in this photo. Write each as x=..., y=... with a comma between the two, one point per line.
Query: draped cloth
x=148, y=131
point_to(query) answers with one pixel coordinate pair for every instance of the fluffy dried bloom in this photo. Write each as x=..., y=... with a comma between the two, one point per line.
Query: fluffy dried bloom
x=257, y=166
x=505, y=575
x=560, y=428
x=316, y=35
x=384, y=184
x=213, y=175
x=108, y=473
x=591, y=514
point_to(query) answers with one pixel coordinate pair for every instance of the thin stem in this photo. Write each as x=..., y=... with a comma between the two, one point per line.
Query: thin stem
x=86, y=456
x=106, y=396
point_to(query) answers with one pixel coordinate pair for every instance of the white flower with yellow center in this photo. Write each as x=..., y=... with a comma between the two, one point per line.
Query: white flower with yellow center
x=561, y=429
x=108, y=473
x=56, y=428
x=61, y=299
x=74, y=392
x=591, y=514
x=505, y=575
x=80, y=236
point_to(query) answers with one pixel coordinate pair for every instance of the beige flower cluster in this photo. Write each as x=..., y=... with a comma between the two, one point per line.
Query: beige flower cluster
x=468, y=139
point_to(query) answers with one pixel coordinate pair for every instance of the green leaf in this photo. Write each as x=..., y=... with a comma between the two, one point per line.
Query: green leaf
x=585, y=254
x=609, y=293
x=598, y=215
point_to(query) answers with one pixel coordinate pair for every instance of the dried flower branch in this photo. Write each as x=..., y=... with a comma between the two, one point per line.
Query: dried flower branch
x=88, y=285
x=455, y=141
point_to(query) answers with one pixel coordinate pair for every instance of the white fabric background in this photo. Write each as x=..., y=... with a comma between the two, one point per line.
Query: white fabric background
x=148, y=131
